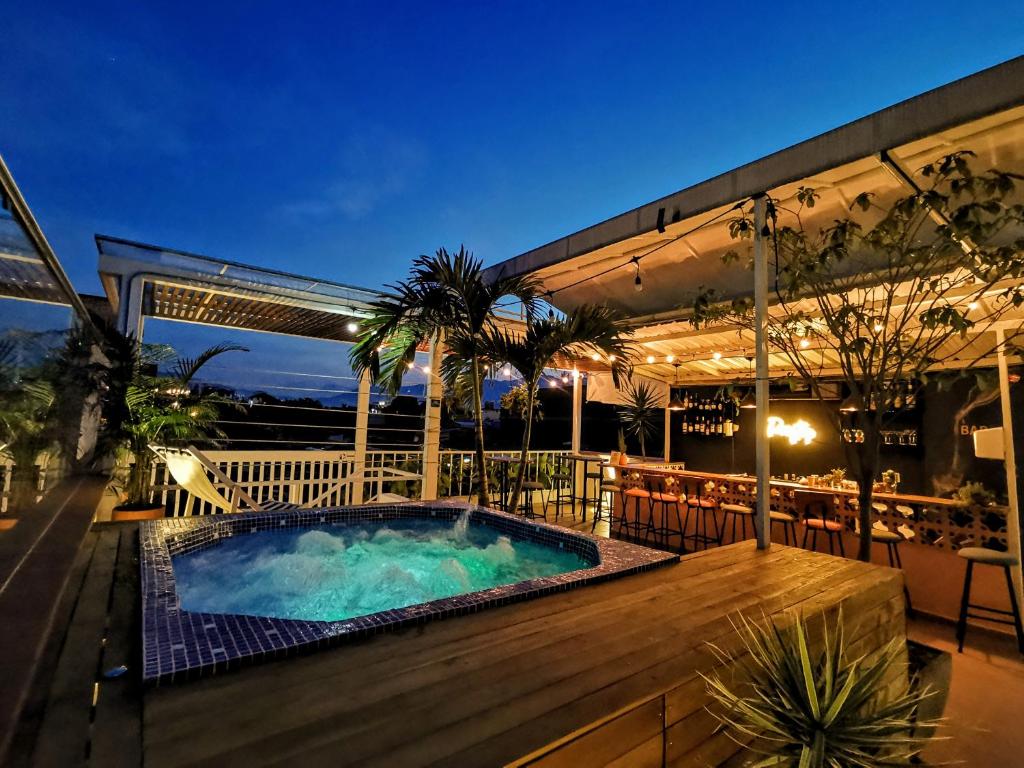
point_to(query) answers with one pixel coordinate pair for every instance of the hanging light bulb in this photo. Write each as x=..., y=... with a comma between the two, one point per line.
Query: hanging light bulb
x=565, y=379
x=551, y=313
x=878, y=327
x=669, y=358
x=426, y=369
x=650, y=359
x=352, y=327
x=717, y=356
x=750, y=399
x=410, y=366
x=554, y=382
x=611, y=358
x=972, y=305
x=595, y=357
x=638, y=283
x=849, y=405
x=804, y=343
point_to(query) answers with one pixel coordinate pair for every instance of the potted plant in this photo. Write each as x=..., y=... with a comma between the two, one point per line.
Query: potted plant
x=975, y=494
x=27, y=434
x=801, y=707
x=161, y=410
x=641, y=412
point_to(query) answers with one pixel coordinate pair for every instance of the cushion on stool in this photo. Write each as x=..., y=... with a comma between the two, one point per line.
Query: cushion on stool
x=879, y=506
x=609, y=488
x=781, y=517
x=736, y=509
x=561, y=476
x=638, y=493
x=886, y=537
x=533, y=485
x=987, y=556
x=824, y=525
x=665, y=498
x=904, y=510
x=705, y=503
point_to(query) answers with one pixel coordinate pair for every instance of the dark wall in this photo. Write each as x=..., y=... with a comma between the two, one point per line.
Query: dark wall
x=924, y=468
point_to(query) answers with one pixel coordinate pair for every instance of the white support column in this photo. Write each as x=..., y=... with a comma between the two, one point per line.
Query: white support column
x=129, y=311
x=432, y=423
x=577, y=411
x=1010, y=462
x=362, y=422
x=762, y=448
x=668, y=433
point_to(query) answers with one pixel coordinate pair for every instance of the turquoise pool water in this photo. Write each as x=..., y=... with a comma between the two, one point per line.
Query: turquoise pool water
x=333, y=572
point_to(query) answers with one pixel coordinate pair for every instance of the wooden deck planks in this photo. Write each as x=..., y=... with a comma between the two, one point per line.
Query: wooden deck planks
x=491, y=686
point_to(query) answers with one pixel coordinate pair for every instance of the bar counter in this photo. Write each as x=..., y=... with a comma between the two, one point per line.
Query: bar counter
x=933, y=528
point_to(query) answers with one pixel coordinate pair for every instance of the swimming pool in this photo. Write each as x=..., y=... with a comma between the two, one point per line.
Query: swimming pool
x=223, y=591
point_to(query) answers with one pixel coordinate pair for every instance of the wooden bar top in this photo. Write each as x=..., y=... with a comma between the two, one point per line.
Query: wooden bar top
x=660, y=469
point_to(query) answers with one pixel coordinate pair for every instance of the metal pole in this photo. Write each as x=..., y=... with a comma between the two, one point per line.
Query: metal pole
x=1010, y=462
x=577, y=410
x=432, y=423
x=362, y=422
x=668, y=433
x=761, y=517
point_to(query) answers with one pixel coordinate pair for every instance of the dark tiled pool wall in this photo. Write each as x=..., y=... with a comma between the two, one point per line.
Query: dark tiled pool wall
x=179, y=645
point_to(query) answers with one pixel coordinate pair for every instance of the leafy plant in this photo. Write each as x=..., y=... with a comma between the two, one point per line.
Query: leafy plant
x=798, y=707
x=517, y=399
x=886, y=295
x=584, y=331
x=164, y=410
x=641, y=414
x=27, y=431
x=445, y=298
x=975, y=493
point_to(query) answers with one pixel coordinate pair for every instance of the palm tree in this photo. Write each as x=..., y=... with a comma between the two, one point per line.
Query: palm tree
x=640, y=412
x=445, y=298
x=584, y=331
x=164, y=409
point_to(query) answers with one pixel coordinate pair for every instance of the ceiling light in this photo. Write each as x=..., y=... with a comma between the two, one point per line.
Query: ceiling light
x=972, y=305
x=878, y=327
x=749, y=400
x=676, y=403
x=638, y=283
x=670, y=358
x=849, y=405
x=717, y=356
x=650, y=359
x=595, y=356
x=352, y=327
x=565, y=379
x=804, y=343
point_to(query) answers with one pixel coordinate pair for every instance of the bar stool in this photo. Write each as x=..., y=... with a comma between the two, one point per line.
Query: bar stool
x=526, y=506
x=640, y=497
x=831, y=528
x=736, y=511
x=561, y=480
x=700, y=505
x=608, y=486
x=666, y=492
x=788, y=523
x=1004, y=560
x=892, y=541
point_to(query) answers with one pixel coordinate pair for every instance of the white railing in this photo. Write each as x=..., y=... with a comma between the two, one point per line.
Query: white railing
x=49, y=472
x=299, y=477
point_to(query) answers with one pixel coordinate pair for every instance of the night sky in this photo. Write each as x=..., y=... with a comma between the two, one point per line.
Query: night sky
x=344, y=141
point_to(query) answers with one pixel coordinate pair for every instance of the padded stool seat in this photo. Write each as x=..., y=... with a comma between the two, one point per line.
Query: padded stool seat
x=904, y=510
x=669, y=498
x=823, y=525
x=560, y=476
x=1004, y=560
x=885, y=537
x=988, y=556
x=736, y=509
x=880, y=507
x=610, y=488
x=781, y=517
x=533, y=485
x=693, y=501
x=788, y=523
x=637, y=493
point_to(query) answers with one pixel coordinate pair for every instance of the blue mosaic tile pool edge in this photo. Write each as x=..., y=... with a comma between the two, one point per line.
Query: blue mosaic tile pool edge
x=180, y=645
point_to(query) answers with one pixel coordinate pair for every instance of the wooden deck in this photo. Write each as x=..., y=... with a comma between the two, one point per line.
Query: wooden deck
x=605, y=674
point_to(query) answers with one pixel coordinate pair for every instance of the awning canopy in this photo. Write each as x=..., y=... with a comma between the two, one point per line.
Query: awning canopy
x=983, y=113
x=176, y=285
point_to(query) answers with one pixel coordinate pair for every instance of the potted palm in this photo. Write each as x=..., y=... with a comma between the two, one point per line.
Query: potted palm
x=640, y=412
x=584, y=331
x=27, y=434
x=161, y=410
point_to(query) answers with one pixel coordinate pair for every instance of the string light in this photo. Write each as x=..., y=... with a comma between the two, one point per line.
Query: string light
x=565, y=379
x=611, y=358
x=717, y=356
x=973, y=305
x=669, y=358
x=804, y=343
x=352, y=327
x=638, y=283
x=878, y=327
x=650, y=359
x=595, y=357
x=426, y=369
x=410, y=366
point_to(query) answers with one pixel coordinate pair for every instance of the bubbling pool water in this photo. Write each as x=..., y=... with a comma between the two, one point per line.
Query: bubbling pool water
x=334, y=572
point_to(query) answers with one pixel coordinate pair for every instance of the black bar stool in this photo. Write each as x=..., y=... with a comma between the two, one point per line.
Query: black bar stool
x=700, y=505
x=666, y=492
x=822, y=521
x=526, y=505
x=601, y=512
x=640, y=497
x=892, y=541
x=561, y=482
x=1004, y=560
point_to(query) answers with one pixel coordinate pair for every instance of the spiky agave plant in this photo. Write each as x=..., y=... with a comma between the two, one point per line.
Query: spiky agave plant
x=640, y=412
x=817, y=709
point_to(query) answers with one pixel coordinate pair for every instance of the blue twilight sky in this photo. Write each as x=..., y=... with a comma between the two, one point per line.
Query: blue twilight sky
x=341, y=139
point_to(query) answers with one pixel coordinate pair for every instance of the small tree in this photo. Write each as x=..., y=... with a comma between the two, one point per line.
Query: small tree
x=890, y=298
x=584, y=331
x=641, y=412
x=446, y=296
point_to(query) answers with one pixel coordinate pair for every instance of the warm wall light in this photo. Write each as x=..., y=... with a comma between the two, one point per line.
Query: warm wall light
x=798, y=432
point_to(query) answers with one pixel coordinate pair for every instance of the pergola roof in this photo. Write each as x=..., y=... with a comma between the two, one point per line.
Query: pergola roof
x=983, y=113
x=192, y=288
